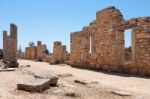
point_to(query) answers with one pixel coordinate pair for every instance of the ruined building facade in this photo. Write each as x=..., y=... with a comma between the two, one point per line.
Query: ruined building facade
x=101, y=44
x=10, y=47
x=59, y=54
x=37, y=53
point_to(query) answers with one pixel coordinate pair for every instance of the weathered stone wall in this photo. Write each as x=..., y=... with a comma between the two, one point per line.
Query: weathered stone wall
x=27, y=53
x=101, y=44
x=99, y=38
x=140, y=44
x=80, y=47
x=22, y=55
x=59, y=54
x=35, y=52
x=41, y=51
x=10, y=47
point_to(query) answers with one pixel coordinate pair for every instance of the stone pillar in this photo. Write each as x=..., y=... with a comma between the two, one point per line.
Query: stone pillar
x=59, y=53
x=4, y=45
x=120, y=52
x=10, y=47
x=40, y=51
x=133, y=48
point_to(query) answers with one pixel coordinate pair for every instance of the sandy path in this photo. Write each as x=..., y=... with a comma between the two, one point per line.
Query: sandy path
x=134, y=84
x=8, y=81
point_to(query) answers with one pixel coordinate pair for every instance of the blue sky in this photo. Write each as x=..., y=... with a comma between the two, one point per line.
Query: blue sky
x=53, y=20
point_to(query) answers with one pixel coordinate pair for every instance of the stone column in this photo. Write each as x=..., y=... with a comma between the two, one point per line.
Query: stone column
x=120, y=52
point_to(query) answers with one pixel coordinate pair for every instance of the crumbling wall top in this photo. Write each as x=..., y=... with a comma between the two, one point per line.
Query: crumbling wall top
x=13, y=30
x=57, y=43
x=109, y=12
x=39, y=43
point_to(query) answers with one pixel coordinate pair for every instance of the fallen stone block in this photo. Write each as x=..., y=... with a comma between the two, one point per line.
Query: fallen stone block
x=94, y=82
x=53, y=79
x=28, y=66
x=86, y=82
x=25, y=66
x=11, y=64
x=34, y=85
x=65, y=75
x=121, y=93
x=80, y=81
x=7, y=69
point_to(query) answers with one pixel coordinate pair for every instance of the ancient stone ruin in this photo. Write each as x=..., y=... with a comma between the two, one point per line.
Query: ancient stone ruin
x=10, y=47
x=59, y=54
x=37, y=53
x=101, y=44
x=39, y=83
x=1, y=54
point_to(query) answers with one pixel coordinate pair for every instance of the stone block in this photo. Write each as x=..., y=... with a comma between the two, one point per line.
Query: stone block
x=53, y=79
x=34, y=85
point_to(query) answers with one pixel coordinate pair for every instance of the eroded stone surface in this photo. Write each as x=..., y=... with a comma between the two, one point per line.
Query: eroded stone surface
x=34, y=85
x=53, y=79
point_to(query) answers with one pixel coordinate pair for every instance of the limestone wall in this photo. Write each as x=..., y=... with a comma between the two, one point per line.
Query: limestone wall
x=59, y=54
x=140, y=44
x=95, y=45
x=101, y=44
x=41, y=52
x=10, y=47
x=35, y=52
x=27, y=53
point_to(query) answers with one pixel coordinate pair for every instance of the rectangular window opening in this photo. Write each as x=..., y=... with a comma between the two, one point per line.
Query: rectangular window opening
x=128, y=46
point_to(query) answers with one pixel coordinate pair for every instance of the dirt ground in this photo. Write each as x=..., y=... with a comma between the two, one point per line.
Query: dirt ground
x=103, y=85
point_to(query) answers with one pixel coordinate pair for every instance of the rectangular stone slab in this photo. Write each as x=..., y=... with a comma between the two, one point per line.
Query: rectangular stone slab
x=34, y=85
x=80, y=81
x=7, y=69
x=53, y=79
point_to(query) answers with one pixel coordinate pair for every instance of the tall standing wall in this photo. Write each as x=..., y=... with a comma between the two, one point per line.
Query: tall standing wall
x=10, y=47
